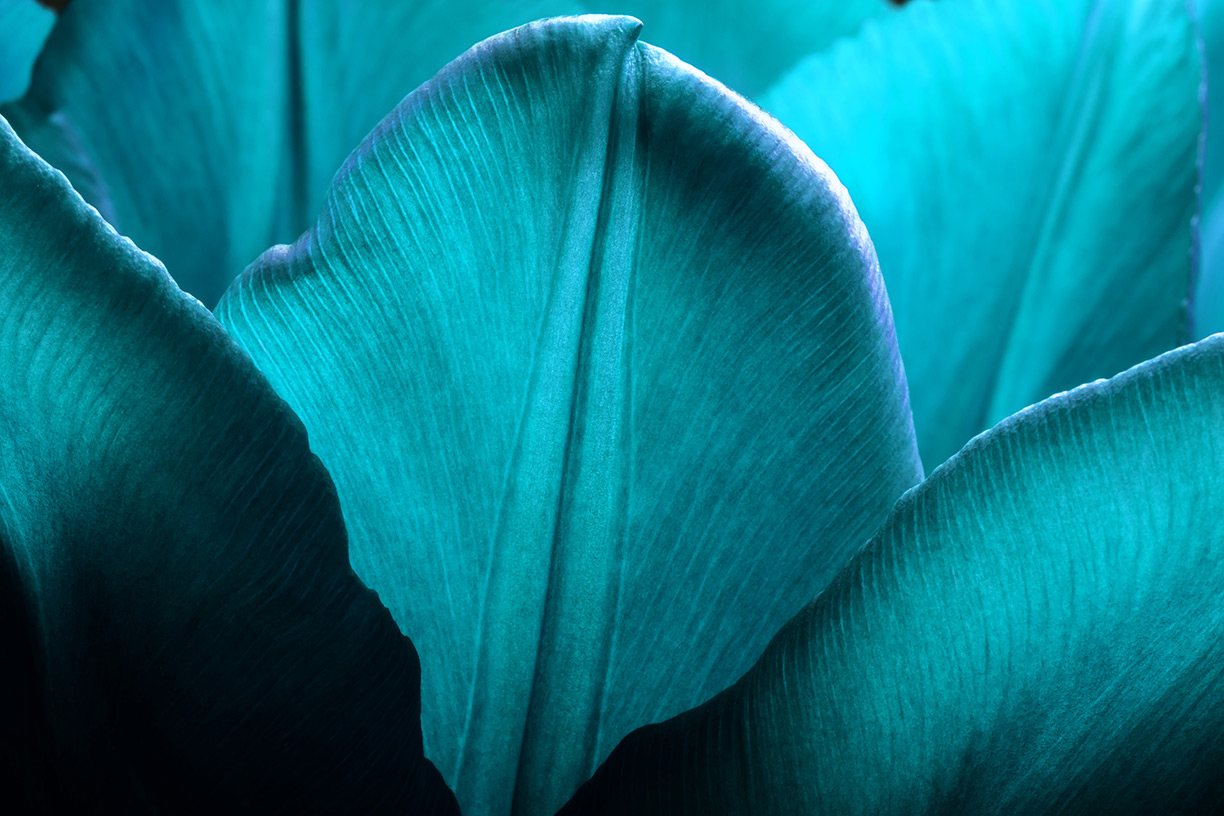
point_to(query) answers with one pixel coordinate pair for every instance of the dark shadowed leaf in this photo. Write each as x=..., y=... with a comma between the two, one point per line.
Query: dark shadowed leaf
x=182, y=628
x=1027, y=171
x=1038, y=628
x=601, y=361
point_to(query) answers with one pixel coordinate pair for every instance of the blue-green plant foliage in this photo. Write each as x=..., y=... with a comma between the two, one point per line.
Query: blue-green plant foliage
x=577, y=407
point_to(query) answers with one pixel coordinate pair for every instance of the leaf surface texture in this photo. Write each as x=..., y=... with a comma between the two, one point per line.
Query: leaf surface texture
x=179, y=612
x=1036, y=629
x=601, y=362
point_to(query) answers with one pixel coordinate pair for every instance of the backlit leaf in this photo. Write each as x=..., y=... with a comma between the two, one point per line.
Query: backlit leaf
x=1027, y=171
x=601, y=362
x=1038, y=628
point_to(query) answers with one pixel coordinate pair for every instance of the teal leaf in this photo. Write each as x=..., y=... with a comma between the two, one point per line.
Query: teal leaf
x=208, y=131
x=1027, y=172
x=179, y=115
x=1209, y=294
x=183, y=631
x=24, y=25
x=1210, y=17
x=359, y=59
x=1037, y=628
x=746, y=46
x=601, y=362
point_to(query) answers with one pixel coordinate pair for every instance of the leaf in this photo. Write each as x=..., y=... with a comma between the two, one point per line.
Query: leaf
x=1036, y=629
x=1209, y=294
x=26, y=25
x=183, y=630
x=601, y=362
x=1027, y=172
x=746, y=46
x=182, y=110
x=218, y=127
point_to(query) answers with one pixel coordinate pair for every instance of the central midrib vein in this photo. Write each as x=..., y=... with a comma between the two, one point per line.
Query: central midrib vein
x=547, y=597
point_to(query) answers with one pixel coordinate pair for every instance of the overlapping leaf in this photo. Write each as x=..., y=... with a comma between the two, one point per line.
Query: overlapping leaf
x=186, y=124
x=182, y=630
x=1209, y=294
x=601, y=362
x=1038, y=628
x=1027, y=171
x=208, y=131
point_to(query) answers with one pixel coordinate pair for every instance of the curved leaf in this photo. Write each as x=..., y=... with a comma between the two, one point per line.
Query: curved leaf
x=1027, y=172
x=184, y=630
x=1036, y=629
x=24, y=25
x=601, y=362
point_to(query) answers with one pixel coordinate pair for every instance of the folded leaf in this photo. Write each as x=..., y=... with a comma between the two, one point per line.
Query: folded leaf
x=183, y=630
x=1036, y=629
x=601, y=362
x=1027, y=171
x=24, y=26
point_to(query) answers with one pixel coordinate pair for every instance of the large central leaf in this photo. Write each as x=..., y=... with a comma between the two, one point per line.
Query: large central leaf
x=601, y=362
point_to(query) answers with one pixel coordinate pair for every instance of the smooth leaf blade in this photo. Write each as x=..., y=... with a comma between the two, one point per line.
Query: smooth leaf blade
x=174, y=120
x=26, y=25
x=1209, y=293
x=1027, y=172
x=1035, y=629
x=187, y=633
x=600, y=359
